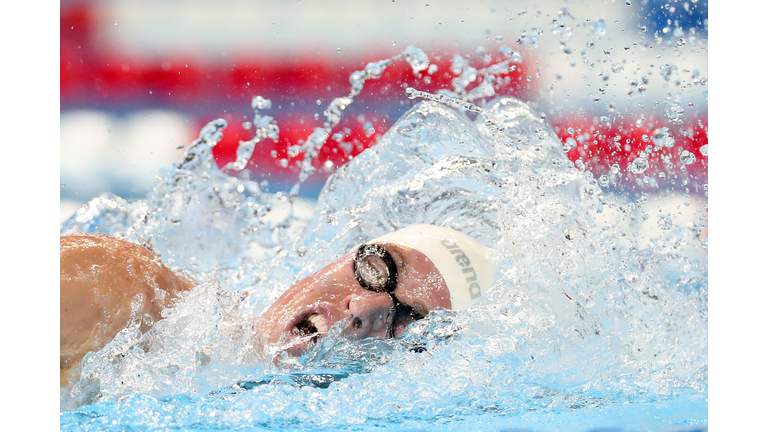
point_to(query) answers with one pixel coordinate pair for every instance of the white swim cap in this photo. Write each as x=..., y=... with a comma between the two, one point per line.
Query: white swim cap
x=465, y=264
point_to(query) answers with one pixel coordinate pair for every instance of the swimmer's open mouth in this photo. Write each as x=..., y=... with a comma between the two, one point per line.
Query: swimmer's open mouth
x=313, y=326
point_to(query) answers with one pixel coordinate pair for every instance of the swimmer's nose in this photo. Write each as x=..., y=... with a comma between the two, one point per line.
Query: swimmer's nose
x=369, y=313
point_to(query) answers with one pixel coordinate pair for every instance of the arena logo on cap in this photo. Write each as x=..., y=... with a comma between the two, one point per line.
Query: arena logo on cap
x=466, y=264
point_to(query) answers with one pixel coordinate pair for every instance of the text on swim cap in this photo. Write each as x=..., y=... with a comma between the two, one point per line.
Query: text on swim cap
x=463, y=261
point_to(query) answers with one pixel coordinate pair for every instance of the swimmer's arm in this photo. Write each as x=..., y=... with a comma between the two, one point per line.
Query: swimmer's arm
x=99, y=278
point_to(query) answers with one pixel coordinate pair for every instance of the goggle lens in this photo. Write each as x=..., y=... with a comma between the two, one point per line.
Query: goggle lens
x=375, y=269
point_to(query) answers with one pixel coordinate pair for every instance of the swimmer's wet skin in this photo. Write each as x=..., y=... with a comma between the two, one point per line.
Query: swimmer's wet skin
x=382, y=286
x=99, y=278
x=379, y=287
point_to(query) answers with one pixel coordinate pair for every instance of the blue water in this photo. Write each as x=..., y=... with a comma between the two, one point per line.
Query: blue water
x=597, y=321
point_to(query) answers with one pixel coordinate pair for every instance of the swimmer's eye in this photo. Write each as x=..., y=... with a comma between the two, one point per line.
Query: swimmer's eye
x=375, y=269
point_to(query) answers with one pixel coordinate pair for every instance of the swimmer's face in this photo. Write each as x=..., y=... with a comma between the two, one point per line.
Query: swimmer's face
x=308, y=309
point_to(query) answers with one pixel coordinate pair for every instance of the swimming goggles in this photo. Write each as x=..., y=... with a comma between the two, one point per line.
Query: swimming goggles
x=376, y=271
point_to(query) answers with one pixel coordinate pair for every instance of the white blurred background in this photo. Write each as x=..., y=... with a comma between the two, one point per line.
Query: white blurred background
x=139, y=78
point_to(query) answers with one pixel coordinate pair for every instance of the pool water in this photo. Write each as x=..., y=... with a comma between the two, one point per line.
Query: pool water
x=598, y=319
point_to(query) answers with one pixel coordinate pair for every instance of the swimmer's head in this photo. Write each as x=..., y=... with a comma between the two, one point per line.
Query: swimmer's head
x=382, y=286
x=466, y=265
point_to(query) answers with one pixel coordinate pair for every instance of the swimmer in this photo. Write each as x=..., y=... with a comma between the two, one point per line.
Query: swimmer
x=380, y=287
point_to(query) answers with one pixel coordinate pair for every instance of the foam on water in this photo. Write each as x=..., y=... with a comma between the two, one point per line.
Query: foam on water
x=588, y=316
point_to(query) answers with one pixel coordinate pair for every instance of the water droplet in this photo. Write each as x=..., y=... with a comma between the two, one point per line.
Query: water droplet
x=687, y=157
x=704, y=150
x=639, y=165
x=666, y=70
x=675, y=113
x=528, y=39
x=665, y=222
x=259, y=103
x=662, y=138
x=629, y=3
x=567, y=34
x=603, y=181
x=599, y=27
x=347, y=147
x=284, y=163
x=416, y=58
x=569, y=143
x=617, y=67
